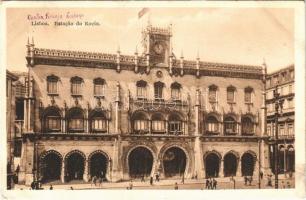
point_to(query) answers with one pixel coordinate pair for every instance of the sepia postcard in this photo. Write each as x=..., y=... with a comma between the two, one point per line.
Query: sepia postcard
x=147, y=99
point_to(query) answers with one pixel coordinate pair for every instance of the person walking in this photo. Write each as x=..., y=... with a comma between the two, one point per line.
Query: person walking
x=157, y=176
x=250, y=180
x=151, y=180
x=214, y=184
x=176, y=186
x=131, y=184
x=207, y=184
x=210, y=184
x=142, y=178
x=245, y=180
x=183, y=179
x=51, y=187
x=71, y=188
x=261, y=174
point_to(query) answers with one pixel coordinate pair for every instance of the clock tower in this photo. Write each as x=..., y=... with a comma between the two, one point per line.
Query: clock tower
x=157, y=45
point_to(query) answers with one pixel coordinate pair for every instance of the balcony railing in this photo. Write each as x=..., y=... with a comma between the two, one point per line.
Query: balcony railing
x=156, y=104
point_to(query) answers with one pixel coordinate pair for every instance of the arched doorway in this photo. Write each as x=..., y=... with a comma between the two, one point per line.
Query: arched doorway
x=75, y=166
x=98, y=165
x=247, y=164
x=212, y=165
x=140, y=162
x=230, y=165
x=290, y=160
x=51, y=167
x=174, y=162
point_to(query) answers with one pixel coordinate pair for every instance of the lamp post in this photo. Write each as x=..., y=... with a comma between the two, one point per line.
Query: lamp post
x=278, y=106
x=110, y=168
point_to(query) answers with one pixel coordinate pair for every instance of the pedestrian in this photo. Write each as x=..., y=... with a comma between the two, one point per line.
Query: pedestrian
x=207, y=184
x=261, y=174
x=142, y=178
x=151, y=180
x=214, y=184
x=51, y=187
x=183, y=179
x=100, y=181
x=245, y=180
x=210, y=184
x=176, y=186
x=269, y=181
x=196, y=175
x=33, y=185
x=283, y=185
x=250, y=180
x=131, y=184
x=94, y=180
x=157, y=176
x=71, y=188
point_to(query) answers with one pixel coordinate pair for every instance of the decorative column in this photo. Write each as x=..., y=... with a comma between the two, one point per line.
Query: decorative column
x=86, y=175
x=63, y=171
x=182, y=64
x=170, y=64
x=118, y=59
x=239, y=168
x=221, y=172
x=117, y=102
x=198, y=165
x=136, y=60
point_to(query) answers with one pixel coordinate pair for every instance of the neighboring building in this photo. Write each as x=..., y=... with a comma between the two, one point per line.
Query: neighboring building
x=10, y=123
x=123, y=117
x=284, y=81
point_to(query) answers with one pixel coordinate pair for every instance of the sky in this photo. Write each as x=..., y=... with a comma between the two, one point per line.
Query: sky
x=225, y=35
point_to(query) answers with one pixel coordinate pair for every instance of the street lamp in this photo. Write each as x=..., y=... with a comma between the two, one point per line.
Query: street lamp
x=278, y=105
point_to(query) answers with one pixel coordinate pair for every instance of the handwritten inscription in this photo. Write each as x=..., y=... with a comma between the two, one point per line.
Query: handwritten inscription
x=60, y=19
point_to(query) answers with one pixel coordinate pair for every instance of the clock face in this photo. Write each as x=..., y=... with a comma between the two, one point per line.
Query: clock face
x=158, y=48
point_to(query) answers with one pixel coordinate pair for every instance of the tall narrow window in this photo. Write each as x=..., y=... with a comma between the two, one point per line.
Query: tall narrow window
x=76, y=83
x=98, y=121
x=158, y=90
x=212, y=125
x=248, y=95
x=212, y=93
x=176, y=91
x=175, y=124
x=290, y=129
x=75, y=120
x=158, y=124
x=52, y=84
x=52, y=119
x=99, y=87
x=141, y=89
x=247, y=126
x=231, y=94
x=140, y=123
x=230, y=126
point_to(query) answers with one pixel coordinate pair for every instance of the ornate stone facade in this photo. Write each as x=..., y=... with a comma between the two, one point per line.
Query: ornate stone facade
x=123, y=117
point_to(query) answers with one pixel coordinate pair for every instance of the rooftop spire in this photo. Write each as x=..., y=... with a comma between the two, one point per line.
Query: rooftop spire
x=28, y=41
x=32, y=40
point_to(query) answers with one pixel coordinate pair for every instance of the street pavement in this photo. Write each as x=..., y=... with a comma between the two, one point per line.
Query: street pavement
x=223, y=183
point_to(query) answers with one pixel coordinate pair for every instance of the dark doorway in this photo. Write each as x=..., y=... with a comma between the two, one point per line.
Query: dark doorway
x=140, y=162
x=98, y=165
x=290, y=161
x=230, y=165
x=247, y=164
x=51, y=167
x=75, y=167
x=174, y=162
x=212, y=165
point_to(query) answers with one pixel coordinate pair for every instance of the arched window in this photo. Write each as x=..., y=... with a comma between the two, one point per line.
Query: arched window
x=98, y=121
x=231, y=94
x=99, y=87
x=158, y=90
x=158, y=123
x=76, y=85
x=52, y=119
x=175, y=124
x=75, y=120
x=176, y=91
x=140, y=123
x=212, y=93
x=248, y=94
x=141, y=89
x=212, y=125
x=52, y=82
x=230, y=126
x=247, y=126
